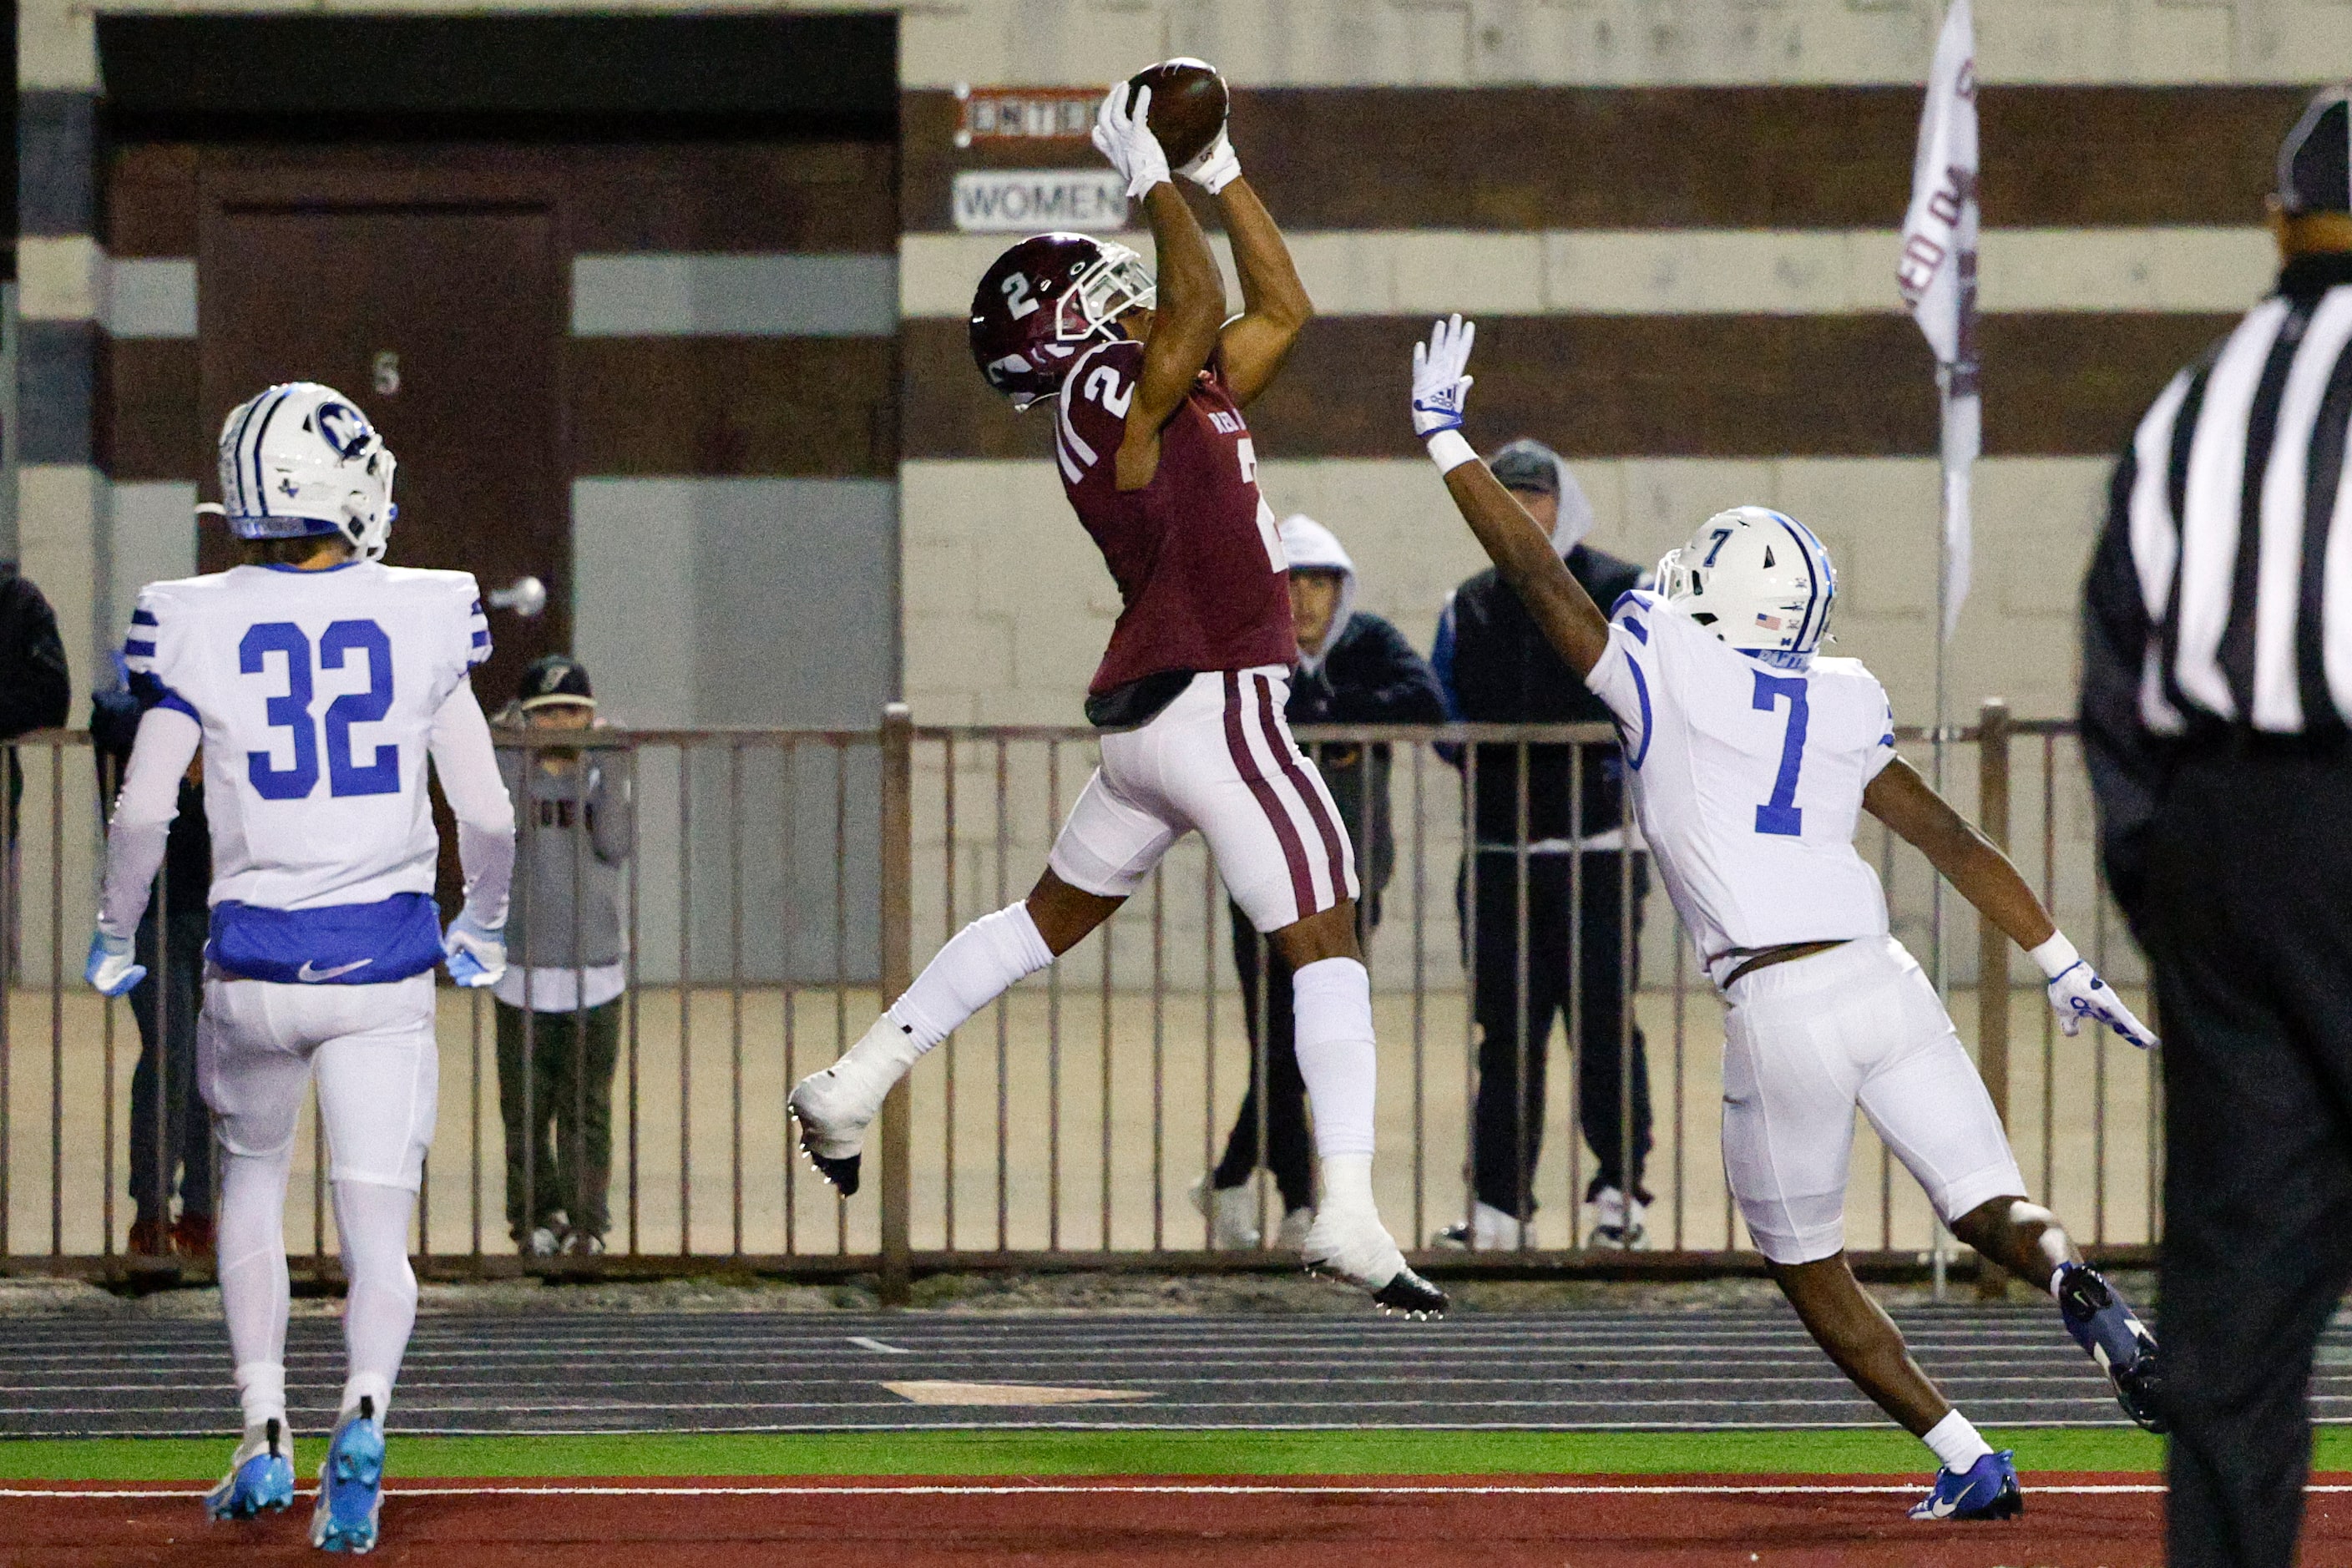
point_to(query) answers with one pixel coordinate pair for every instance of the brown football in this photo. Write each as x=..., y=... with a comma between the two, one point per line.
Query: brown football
x=1188, y=106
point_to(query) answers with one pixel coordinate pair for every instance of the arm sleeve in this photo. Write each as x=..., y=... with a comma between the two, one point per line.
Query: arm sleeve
x=2122, y=757
x=143, y=811
x=468, y=766
x=1883, y=752
x=1621, y=680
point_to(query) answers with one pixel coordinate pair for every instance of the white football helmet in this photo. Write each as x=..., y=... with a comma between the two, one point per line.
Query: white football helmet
x=1758, y=580
x=300, y=458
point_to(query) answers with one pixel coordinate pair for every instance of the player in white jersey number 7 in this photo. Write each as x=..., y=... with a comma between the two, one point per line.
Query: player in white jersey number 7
x=319, y=682
x=1752, y=759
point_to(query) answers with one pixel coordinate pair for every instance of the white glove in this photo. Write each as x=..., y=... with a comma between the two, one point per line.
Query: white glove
x=1439, y=387
x=1123, y=134
x=1215, y=166
x=2076, y=992
x=477, y=955
x=110, y=970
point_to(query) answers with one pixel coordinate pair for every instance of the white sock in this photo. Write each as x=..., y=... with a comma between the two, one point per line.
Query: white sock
x=380, y=1302
x=980, y=963
x=2057, y=1278
x=251, y=1240
x=1332, y=1001
x=1956, y=1443
x=261, y=1393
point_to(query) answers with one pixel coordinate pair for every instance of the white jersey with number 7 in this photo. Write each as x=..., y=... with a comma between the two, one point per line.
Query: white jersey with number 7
x=1748, y=780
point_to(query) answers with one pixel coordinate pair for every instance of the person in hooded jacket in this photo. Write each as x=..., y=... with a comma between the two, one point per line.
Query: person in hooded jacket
x=1354, y=668
x=1584, y=876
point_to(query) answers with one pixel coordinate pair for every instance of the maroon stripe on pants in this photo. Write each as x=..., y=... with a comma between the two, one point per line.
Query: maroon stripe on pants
x=1306, y=787
x=1302, y=881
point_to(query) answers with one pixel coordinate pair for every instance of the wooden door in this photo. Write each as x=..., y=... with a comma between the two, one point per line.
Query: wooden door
x=433, y=297
x=433, y=292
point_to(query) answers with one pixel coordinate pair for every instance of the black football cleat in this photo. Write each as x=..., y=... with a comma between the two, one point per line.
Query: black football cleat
x=2113, y=1335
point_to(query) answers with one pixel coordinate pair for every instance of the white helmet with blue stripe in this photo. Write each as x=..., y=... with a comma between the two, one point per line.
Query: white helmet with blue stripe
x=1758, y=580
x=300, y=458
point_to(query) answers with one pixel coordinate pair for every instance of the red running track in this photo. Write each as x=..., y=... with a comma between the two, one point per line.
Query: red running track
x=2070, y=1521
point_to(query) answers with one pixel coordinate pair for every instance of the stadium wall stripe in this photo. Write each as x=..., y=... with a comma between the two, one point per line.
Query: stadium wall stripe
x=1519, y=158
x=2056, y=384
x=1773, y=272
x=653, y=196
x=735, y=408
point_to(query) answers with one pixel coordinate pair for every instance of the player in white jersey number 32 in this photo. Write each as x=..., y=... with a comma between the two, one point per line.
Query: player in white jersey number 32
x=1752, y=759
x=318, y=680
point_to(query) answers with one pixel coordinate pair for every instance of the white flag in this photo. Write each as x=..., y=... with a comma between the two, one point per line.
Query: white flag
x=1937, y=275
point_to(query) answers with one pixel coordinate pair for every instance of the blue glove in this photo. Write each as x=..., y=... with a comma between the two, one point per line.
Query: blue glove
x=476, y=954
x=110, y=970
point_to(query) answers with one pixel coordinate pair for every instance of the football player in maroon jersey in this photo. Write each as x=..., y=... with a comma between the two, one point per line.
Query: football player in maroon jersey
x=1146, y=387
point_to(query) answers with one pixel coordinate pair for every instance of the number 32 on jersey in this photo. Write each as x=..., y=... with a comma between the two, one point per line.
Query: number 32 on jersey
x=291, y=709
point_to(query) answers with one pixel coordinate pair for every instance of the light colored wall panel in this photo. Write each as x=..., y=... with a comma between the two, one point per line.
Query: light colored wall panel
x=152, y=297
x=1008, y=606
x=154, y=540
x=632, y=596
x=705, y=295
x=1378, y=272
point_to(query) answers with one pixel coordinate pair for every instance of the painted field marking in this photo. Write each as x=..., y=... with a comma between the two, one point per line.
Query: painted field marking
x=865, y=1342
x=931, y=1392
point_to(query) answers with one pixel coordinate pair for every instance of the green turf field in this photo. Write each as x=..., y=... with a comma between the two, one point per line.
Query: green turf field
x=1861, y=1452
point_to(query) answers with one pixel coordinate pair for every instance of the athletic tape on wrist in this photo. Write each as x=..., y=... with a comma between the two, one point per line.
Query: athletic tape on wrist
x=2055, y=956
x=1449, y=449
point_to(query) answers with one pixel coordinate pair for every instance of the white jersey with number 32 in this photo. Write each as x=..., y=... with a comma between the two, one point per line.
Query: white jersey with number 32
x=317, y=691
x=1748, y=781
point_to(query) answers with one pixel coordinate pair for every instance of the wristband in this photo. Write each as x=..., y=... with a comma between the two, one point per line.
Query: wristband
x=2055, y=956
x=1449, y=449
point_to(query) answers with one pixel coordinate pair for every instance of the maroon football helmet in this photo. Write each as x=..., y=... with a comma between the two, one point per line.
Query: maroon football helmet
x=1043, y=302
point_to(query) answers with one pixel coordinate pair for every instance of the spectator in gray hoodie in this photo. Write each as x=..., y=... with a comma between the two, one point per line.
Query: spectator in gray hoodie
x=559, y=1003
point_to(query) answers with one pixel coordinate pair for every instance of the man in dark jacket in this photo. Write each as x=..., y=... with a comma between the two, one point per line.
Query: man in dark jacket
x=171, y=1130
x=1581, y=884
x=34, y=695
x=1353, y=668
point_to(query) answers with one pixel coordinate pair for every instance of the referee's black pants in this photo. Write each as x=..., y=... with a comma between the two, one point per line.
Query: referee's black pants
x=2250, y=914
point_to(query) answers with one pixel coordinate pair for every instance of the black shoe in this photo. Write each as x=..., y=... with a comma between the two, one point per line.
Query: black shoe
x=2112, y=1335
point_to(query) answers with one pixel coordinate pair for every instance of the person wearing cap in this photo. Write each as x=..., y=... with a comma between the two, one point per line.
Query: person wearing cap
x=559, y=1003
x=1354, y=668
x=2217, y=725
x=1581, y=898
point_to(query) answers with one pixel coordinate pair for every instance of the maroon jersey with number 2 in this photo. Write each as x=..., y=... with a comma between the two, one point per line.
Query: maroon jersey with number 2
x=1195, y=553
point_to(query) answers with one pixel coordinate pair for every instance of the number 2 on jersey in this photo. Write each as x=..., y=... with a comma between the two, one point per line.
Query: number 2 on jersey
x=1781, y=814
x=290, y=710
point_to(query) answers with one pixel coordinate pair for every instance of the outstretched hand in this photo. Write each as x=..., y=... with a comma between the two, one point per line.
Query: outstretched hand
x=1123, y=133
x=1440, y=385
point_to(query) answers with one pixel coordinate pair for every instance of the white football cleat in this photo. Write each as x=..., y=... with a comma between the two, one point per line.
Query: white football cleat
x=1616, y=1221
x=1488, y=1229
x=834, y=1105
x=1351, y=1244
x=1232, y=1214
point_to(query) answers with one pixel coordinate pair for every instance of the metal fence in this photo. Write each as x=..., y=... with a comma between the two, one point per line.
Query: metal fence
x=783, y=883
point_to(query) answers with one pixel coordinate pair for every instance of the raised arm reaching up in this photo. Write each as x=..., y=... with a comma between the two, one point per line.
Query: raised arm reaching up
x=1574, y=625
x=1275, y=306
x=1191, y=294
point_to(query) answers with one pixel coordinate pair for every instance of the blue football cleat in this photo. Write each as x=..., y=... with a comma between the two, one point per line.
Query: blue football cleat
x=2110, y=1333
x=260, y=1477
x=351, y=1484
x=1986, y=1489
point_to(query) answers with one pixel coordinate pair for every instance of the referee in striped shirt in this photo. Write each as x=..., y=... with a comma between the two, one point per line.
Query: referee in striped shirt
x=2217, y=721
